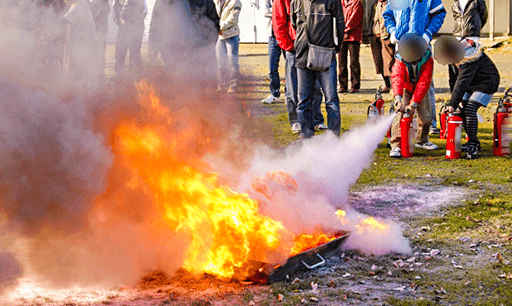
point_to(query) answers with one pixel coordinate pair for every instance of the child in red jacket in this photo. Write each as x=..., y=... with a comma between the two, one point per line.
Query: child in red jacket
x=411, y=77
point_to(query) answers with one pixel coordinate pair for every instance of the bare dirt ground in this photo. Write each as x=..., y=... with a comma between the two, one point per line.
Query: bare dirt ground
x=349, y=277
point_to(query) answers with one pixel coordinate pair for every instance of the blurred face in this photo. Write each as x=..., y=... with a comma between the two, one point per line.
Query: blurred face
x=397, y=5
x=448, y=50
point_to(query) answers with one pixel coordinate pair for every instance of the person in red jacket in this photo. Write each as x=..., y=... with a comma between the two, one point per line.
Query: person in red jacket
x=353, y=14
x=285, y=36
x=411, y=77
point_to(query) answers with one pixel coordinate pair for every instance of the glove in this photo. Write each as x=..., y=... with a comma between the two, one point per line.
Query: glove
x=411, y=108
x=398, y=102
x=426, y=38
x=393, y=39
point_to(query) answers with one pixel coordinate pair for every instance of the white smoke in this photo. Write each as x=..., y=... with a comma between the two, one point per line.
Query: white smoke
x=325, y=167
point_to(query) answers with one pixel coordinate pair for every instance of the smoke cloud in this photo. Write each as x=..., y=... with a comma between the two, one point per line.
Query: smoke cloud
x=70, y=200
x=52, y=163
x=325, y=167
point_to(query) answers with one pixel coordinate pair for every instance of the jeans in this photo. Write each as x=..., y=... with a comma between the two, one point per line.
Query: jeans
x=228, y=70
x=432, y=94
x=305, y=109
x=274, y=55
x=292, y=92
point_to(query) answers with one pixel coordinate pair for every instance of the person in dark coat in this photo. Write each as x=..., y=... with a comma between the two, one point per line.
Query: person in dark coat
x=383, y=50
x=100, y=10
x=173, y=36
x=474, y=79
x=314, y=22
x=353, y=15
x=129, y=16
x=470, y=17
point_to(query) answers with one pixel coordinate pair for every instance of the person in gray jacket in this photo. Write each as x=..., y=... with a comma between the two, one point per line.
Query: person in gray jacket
x=470, y=17
x=314, y=21
x=228, y=69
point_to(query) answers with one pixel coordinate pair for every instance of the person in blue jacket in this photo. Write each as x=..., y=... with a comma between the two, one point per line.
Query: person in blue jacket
x=425, y=18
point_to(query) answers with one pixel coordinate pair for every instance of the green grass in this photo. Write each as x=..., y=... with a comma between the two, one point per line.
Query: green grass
x=485, y=216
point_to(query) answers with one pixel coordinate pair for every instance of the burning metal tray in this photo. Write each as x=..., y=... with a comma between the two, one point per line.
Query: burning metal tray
x=307, y=260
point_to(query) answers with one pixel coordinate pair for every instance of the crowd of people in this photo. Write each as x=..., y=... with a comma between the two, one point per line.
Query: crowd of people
x=315, y=37
x=71, y=36
x=400, y=38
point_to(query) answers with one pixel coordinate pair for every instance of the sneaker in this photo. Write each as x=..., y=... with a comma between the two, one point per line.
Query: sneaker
x=321, y=126
x=342, y=90
x=434, y=130
x=395, y=152
x=270, y=99
x=296, y=128
x=464, y=147
x=385, y=89
x=471, y=151
x=427, y=146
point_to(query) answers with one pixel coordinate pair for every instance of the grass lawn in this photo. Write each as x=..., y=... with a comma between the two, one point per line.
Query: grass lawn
x=473, y=236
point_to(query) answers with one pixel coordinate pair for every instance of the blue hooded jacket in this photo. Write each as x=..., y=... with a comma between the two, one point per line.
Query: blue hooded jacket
x=423, y=17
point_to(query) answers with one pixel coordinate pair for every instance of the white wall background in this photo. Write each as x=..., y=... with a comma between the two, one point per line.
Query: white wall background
x=253, y=23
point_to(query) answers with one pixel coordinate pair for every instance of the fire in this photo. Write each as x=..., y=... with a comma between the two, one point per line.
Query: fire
x=341, y=216
x=225, y=229
x=370, y=223
x=365, y=224
x=306, y=242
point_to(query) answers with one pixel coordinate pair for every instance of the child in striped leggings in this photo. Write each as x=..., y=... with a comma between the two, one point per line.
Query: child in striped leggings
x=473, y=80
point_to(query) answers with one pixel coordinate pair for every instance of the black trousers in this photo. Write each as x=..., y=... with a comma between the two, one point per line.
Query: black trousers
x=351, y=47
x=129, y=38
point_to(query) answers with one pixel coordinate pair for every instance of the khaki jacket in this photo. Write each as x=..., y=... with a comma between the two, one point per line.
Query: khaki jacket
x=378, y=27
x=228, y=11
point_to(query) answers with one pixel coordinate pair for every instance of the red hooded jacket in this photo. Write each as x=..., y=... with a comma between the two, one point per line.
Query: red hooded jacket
x=283, y=30
x=419, y=85
x=353, y=14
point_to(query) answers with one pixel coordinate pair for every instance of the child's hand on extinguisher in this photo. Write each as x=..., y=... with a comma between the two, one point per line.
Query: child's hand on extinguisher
x=449, y=109
x=398, y=103
x=411, y=108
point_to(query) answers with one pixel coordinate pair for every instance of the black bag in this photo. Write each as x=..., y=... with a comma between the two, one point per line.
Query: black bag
x=319, y=58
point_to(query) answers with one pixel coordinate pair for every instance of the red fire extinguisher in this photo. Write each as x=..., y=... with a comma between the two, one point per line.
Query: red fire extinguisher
x=443, y=118
x=408, y=133
x=391, y=112
x=376, y=108
x=502, y=130
x=453, y=136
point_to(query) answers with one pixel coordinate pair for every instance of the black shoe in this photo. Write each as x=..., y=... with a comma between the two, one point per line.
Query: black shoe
x=465, y=146
x=472, y=151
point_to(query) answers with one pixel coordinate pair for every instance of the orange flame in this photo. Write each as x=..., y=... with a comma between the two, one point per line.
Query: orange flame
x=225, y=228
x=370, y=223
x=304, y=242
